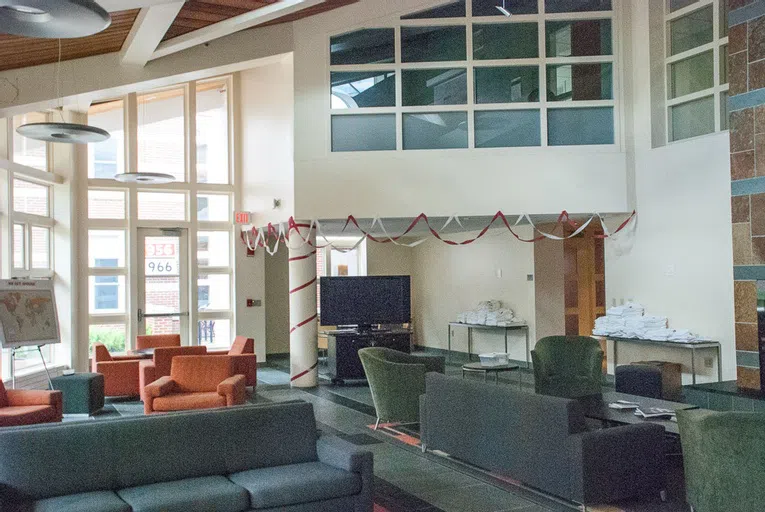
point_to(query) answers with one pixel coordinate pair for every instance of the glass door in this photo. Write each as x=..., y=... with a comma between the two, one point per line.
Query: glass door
x=163, y=299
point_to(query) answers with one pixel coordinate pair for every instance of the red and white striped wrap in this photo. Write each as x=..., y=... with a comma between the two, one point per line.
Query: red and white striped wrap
x=304, y=356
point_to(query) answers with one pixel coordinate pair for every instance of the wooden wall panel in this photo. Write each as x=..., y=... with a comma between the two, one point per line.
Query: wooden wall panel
x=19, y=52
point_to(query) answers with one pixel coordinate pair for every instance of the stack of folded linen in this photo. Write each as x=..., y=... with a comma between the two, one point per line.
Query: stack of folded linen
x=630, y=309
x=489, y=312
x=682, y=335
x=627, y=321
x=609, y=326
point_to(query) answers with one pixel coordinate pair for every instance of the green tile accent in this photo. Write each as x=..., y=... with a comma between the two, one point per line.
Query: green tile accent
x=748, y=187
x=747, y=359
x=746, y=100
x=746, y=13
x=749, y=272
x=743, y=404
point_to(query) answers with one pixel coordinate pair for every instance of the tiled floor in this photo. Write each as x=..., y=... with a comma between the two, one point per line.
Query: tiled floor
x=406, y=479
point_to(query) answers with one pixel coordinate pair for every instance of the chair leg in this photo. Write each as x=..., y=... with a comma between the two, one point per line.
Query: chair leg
x=377, y=423
x=424, y=448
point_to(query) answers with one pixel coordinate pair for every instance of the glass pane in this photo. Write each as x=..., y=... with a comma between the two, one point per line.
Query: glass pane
x=450, y=10
x=213, y=208
x=489, y=7
x=163, y=325
x=214, y=292
x=691, y=75
x=19, y=246
x=344, y=263
x=436, y=130
x=206, y=257
x=692, y=119
x=580, y=126
x=107, y=158
x=577, y=5
x=364, y=132
x=214, y=332
x=26, y=151
x=106, y=248
x=579, y=82
x=40, y=247
x=161, y=206
x=111, y=335
x=578, y=38
x=724, y=64
x=434, y=87
x=359, y=89
x=724, y=110
x=505, y=41
x=161, y=129
x=212, y=132
x=107, y=295
x=506, y=85
x=30, y=198
x=724, y=18
x=507, y=128
x=29, y=357
x=674, y=5
x=433, y=44
x=162, y=257
x=691, y=30
x=106, y=204
x=368, y=46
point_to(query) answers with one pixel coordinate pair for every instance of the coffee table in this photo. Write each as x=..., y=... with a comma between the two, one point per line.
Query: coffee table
x=143, y=353
x=496, y=370
x=596, y=407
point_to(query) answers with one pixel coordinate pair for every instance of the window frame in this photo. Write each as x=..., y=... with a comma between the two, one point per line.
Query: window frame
x=717, y=45
x=30, y=221
x=471, y=106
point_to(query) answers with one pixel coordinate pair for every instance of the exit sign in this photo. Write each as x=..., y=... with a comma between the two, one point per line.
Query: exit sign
x=242, y=217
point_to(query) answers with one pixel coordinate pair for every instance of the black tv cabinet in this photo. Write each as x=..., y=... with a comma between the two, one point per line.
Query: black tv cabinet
x=343, y=349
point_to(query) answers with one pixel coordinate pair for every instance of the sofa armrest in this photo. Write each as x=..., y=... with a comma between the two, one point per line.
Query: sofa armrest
x=22, y=397
x=341, y=454
x=160, y=387
x=423, y=419
x=234, y=389
x=621, y=462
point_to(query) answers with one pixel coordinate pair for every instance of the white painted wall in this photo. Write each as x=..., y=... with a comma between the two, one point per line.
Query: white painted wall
x=250, y=284
x=277, y=301
x=448, y=280
x=439, y=182
x=267, y=139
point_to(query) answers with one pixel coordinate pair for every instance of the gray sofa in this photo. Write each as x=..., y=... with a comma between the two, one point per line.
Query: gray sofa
x=541, y=441
x=261, y=458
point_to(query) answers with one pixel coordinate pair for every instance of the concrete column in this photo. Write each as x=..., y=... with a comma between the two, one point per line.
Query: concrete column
x=304, y=353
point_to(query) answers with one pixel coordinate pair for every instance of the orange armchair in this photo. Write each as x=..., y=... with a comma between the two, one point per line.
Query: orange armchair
x=28, y=407
x=159, y=366
x=120, y=372
x=196, y=382
x=157, y=340
x=245, y=363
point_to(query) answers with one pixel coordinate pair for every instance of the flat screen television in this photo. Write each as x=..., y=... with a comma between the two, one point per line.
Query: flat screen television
x=365, y=301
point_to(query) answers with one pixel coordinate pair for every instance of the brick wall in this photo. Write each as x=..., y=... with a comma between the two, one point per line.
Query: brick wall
x=746, y=58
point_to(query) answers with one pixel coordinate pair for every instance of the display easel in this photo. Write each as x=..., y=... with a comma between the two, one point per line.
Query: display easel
x=13, y=365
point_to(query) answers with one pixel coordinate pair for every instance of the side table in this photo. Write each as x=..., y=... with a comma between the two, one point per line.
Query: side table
x=83, y=393
x=496, y=370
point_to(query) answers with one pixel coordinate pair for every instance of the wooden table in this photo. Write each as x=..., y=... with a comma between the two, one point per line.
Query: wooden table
x=504, y=328
x=597, y=408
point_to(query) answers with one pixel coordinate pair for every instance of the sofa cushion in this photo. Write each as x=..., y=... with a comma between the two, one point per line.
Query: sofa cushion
x=26, y=415
x=102, y=501
x=296, y=483
x=214, y=493
x=187, y=401
x=194, y=374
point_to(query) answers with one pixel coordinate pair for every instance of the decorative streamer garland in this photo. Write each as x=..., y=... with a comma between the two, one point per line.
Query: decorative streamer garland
x=270, y=236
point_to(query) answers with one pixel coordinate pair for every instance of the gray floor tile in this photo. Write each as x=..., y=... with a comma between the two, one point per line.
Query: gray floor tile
x=476, y=498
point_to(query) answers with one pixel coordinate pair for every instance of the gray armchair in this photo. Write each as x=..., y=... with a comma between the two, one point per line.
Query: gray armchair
x=397, y=380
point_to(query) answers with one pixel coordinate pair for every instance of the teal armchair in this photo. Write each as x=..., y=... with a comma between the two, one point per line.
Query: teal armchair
x=724, y=458
x=567, y=366
x=397, y=380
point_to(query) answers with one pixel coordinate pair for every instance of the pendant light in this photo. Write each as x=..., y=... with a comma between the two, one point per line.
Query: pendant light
x=72, y=133
x=503, y=9
x=53, y=19
x=144, y=178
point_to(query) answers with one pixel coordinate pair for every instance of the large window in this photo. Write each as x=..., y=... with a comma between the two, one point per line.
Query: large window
x=26, y=151
x=467, y=76
x=200, y=202
x=696, y=67
x=32, y=228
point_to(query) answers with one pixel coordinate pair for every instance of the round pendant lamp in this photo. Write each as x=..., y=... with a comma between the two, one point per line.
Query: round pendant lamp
x=63, y=132
x=54, y=19
x=145, y=178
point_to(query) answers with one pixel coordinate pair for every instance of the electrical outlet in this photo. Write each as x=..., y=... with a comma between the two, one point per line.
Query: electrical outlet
x=708, y=362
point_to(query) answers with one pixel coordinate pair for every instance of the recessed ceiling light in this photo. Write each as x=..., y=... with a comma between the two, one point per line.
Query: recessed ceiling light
x=63, y=132
x=56, y=19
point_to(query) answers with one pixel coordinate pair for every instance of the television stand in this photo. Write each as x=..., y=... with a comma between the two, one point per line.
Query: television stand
x=343, y=349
